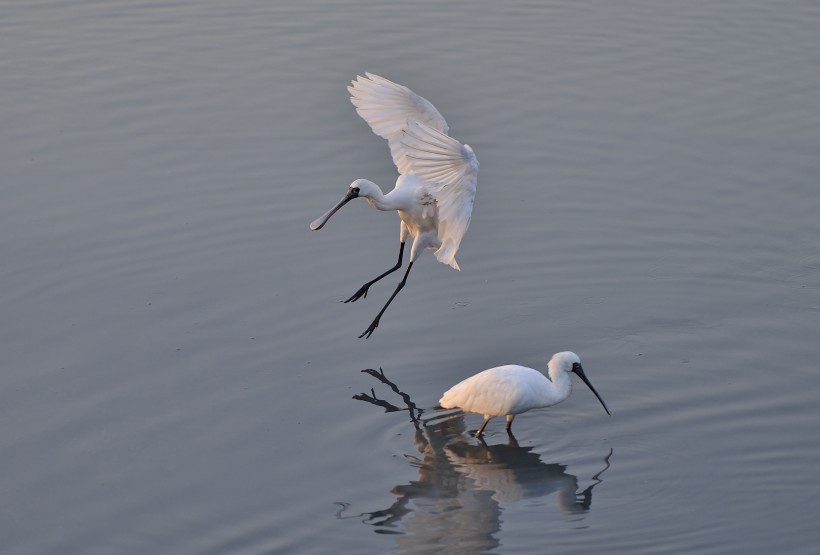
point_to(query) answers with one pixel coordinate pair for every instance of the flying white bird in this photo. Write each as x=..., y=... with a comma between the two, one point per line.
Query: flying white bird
x=436, y=187
x=512, y=389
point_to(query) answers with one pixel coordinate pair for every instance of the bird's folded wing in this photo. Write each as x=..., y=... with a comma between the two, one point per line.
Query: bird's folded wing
x=387, y=106
x=452, y=170
x=488, y=393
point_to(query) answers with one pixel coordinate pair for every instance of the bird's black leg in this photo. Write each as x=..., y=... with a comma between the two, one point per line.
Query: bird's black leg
x=375, y=323
x=362, y=292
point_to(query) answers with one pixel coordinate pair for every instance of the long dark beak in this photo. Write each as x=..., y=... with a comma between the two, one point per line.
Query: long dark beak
x=319, y=222
x=580, y=371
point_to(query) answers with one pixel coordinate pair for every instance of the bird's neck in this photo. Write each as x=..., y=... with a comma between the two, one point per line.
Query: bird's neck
x=377, y=199
x=380, y=202
x=561, y=382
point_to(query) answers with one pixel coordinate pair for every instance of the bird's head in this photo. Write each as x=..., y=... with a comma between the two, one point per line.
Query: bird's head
x=565, y=360
x=570, y=362
x=365, y=189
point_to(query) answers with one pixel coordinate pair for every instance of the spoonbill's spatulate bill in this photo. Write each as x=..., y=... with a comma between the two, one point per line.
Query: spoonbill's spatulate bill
x=511, y=389
x=436, y=187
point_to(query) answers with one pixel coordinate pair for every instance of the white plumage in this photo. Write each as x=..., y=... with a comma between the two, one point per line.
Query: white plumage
x=511, y=389
x=435, y=191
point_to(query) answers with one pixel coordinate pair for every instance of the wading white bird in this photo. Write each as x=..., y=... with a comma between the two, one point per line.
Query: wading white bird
x=512, y=389
x=436, y=187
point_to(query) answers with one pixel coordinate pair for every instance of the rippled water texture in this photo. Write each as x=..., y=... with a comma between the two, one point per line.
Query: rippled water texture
x=179, y=376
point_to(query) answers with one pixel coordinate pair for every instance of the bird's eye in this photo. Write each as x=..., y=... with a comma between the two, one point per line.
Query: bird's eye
x=575, y=366
x=355, y=190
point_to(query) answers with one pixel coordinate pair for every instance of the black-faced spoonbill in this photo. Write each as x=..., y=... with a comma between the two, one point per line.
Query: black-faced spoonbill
x=436, y=187
x=512, y=389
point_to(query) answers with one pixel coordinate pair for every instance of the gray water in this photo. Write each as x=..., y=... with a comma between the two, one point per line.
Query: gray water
x=178, y=373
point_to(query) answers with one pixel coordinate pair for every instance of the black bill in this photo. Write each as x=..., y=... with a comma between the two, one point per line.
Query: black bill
x=319, y=222
x=578, y=369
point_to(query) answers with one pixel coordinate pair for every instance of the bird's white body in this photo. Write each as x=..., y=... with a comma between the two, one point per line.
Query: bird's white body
x=508, y=389
x=436, y=187
x=511, y=389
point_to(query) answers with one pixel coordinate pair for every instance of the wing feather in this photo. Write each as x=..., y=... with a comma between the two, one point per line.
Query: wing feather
x=452, y=169
x=386, y=106
x=492, y=392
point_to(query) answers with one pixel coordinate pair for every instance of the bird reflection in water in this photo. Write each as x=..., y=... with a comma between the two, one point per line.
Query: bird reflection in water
x=456, y=502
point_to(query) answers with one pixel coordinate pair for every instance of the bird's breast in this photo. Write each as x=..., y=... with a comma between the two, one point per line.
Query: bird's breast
x=418, y=220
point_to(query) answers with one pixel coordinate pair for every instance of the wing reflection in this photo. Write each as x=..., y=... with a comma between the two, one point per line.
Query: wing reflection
x=455, y=504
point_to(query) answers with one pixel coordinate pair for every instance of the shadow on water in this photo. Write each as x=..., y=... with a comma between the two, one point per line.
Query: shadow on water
x=462, y=483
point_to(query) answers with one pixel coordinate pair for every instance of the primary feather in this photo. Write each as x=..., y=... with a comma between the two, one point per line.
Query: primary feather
x=386, y=106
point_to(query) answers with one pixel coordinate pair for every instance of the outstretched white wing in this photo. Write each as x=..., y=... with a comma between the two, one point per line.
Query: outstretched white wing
x=386, y=106
x=452, y=169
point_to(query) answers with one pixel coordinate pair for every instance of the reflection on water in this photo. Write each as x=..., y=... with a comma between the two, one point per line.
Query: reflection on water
x=455, y=504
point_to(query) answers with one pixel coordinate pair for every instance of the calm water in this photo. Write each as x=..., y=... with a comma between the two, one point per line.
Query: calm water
x=178, y=373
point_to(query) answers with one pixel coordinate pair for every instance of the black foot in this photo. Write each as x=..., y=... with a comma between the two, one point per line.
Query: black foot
x=362, y=292
x=370, y=329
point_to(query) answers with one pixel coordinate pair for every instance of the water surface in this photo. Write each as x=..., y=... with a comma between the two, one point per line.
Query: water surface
x=178, y=372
